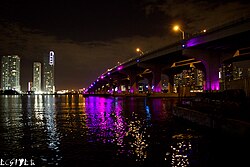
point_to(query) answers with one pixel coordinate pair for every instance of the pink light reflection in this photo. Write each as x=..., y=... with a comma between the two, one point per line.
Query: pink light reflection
x=105, y=119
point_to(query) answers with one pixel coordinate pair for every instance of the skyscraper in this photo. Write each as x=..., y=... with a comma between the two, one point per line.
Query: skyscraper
x=37, y=77
x=10, y=78
x=48, y=73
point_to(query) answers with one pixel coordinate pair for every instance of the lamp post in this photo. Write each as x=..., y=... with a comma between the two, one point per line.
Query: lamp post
x=176, y=28
x=140, y=51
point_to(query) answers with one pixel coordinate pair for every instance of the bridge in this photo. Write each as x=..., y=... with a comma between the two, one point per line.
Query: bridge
x=211, y=52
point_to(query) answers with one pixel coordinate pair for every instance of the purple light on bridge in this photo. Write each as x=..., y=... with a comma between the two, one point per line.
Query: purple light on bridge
x=102, y=77
x=215, y=85
x=194, y=41
x=157, y=89
x=212, y=78
x=119, y=68
x=108, y=73
x=111, y=91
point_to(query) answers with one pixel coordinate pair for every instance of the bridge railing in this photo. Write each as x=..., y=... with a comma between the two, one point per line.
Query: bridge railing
x=239, y=20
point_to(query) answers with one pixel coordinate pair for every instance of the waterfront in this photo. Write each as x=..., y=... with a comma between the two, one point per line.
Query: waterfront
x=72, y=130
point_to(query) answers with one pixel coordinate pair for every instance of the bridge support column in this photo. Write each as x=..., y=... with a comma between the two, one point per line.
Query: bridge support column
x=212, y=72
x=170, y=83
x=131, y=75
x=127, y=87
x=124, y=86
x=157, y=79
x=150, y=79
x=116, y=85
x=132, y=83
x=156, y=71
x=119, y=89
x=211, y=62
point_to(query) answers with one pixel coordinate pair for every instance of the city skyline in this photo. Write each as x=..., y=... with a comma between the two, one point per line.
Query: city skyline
x=43, y=78
x=88, y=39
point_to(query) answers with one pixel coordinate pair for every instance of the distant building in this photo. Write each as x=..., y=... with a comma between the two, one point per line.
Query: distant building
x=30, y=86
x=37, y=77
x=48, y=73
x=10, y=77
x=193, y=78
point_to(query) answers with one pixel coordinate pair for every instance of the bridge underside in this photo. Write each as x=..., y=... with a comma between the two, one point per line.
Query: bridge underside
x=212, y=53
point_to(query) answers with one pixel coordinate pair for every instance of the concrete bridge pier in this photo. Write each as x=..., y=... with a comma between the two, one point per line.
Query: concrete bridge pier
x=106, y=85
x=149, y=77
x=156, y=70
x=211, y=60
x=118, y=87
x=156, y=74
x=170, y=83
x=124, y=84
x=132, y=75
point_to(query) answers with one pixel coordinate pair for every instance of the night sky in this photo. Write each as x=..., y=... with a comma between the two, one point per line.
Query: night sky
x=90, y=36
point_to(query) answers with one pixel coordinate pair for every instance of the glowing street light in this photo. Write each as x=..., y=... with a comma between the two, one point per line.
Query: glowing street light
x=139, y=50
x=177, y=28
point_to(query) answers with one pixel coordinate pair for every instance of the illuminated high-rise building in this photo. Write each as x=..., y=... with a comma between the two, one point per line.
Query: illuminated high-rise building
x=37, y=77
x=30, y=86
x=10, y=78
x=48, y=73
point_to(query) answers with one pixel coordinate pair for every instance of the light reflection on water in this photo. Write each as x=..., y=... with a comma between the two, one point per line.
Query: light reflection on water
x=68, y=130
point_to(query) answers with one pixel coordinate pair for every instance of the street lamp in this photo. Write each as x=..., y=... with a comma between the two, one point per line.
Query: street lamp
x=139, y=50
x=176, y=28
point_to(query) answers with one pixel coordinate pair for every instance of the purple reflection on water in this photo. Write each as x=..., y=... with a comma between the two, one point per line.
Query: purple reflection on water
x=159, y=108
x=105, y=122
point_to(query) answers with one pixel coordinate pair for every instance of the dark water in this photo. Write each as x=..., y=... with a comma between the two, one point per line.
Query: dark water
x=99, y=131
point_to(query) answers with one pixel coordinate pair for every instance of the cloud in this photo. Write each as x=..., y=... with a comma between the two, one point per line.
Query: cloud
x=77, y=63
x=196, y=15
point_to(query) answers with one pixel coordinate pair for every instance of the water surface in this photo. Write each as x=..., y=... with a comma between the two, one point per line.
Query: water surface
x=72, y=130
